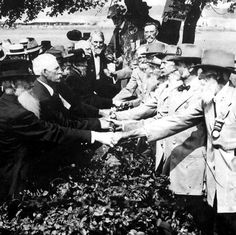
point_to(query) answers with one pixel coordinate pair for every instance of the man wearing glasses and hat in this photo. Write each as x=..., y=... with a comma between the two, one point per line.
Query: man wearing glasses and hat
x=23, y=135
x=217, y=106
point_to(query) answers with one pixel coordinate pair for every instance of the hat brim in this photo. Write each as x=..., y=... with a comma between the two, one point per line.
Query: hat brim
x=183, y=58
x=16, y=53
x=33, y=50
x=18, y=76
x=158, y=65
x=228, y=69
x=157, y=54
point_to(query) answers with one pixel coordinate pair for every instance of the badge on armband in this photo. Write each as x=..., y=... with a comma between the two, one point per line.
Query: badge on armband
x=217, y=128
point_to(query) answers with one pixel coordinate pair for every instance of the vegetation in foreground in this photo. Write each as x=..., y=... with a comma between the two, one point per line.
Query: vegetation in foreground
x=119, y=193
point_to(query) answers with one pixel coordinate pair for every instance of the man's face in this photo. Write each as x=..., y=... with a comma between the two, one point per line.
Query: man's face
x=117, y=20
x=97, y=44
x=54, y=72
x=209, y=79
x=142, y=62
x=183, y=69
x=153, y=71
x=150, y=33
x=167, y=67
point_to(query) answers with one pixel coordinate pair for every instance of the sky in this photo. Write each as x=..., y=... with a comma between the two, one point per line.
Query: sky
x=155, y=2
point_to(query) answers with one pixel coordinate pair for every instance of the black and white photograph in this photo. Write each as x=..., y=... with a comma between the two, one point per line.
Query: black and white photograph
x=118, y=117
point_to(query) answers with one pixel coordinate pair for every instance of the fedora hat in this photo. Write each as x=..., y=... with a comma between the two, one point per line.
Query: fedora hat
x=218, y=59
x=156, y=48
x=16, y=69
x=86, y=36
x=74, y=35
x=170, y=52
x=187, y=52
x=60, y=52
x=16, y=49
x=32, y=45
x=46, y=44
x=115, y=10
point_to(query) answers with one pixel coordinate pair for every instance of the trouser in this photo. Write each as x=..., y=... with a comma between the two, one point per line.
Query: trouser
x=97, y=101
x=225, y=222
x=61, y=161
x=203, y=214
x=106, y=88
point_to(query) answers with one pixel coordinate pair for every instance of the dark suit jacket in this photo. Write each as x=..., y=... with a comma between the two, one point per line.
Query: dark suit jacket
x=128, y=33
x=53, y=110
x=104, y=86
x=73, y=96
x=21, y=133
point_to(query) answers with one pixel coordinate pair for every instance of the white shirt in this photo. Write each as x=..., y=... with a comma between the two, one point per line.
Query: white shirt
x=97, y=61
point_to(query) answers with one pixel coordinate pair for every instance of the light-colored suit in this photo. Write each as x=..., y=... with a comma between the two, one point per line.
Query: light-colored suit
x=185, y=153
x=154, y=104
x=220, y=170
x=137, y=88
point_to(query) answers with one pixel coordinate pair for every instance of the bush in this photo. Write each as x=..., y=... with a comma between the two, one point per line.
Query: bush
x=118, y=194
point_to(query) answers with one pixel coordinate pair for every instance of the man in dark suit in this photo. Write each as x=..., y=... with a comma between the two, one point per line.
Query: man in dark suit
x=22, y=134
x=98, y=74
x=80, y=79
x=55, y=107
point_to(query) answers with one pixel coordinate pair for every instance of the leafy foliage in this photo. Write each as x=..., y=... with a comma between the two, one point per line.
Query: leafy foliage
x=180, y=8
x=118, y=194
x=14, y=10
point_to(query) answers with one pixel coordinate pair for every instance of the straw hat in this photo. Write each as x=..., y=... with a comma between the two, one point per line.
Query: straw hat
x=16, y=49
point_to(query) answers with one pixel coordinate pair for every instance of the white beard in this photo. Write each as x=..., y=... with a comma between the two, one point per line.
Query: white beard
x=210, y=89
x=29, y=102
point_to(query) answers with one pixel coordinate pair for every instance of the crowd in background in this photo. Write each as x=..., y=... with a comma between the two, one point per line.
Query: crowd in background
x=56, y=101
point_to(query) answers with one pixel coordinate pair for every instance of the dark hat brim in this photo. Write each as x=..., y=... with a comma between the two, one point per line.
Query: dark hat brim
x=157, y=54
x=185, y=59
x=15, y=75
x=228, y=69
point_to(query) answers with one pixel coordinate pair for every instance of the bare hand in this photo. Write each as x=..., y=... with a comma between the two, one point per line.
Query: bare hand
x=105, y=112
x=107, y=138
x=105, y=124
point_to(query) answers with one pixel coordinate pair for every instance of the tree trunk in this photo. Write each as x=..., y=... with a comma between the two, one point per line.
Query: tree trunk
x=169, y=32
x=190, y=23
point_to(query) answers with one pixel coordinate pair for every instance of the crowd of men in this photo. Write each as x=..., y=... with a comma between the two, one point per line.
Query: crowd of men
x=57, y=101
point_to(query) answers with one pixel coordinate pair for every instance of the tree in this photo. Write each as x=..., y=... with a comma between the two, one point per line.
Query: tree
x=14, y=10
x=191, y=11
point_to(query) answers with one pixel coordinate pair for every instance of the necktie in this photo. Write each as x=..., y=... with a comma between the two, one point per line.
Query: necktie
x=117, y=42
x=183, y=87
